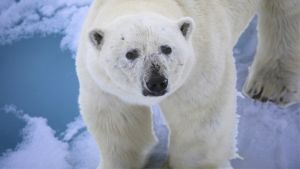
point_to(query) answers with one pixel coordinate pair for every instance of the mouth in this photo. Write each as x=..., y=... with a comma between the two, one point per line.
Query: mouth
x=154, y=94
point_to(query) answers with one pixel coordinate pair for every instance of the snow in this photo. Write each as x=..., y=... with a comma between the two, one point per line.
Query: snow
x=41, y=149
x=269, y=137
x=23, y=19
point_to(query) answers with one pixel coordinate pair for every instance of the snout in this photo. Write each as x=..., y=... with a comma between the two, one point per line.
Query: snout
x=156, y=85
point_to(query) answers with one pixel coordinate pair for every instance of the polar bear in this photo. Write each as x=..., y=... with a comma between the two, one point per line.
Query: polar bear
x=178, y=54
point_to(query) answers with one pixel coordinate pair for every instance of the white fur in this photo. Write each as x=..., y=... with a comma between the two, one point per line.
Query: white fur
x=201, y=100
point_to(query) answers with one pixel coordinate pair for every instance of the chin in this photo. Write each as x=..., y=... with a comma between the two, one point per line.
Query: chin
x=141, y=99
x=150, y=98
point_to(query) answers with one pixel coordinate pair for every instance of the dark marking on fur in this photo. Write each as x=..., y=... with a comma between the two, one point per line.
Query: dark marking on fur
x=155, y=67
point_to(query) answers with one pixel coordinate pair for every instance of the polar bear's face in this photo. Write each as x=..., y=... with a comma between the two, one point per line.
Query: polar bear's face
x=144, y=56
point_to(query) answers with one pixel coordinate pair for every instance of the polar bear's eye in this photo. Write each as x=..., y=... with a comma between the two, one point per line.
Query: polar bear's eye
x=165, y=49
x=133, y=54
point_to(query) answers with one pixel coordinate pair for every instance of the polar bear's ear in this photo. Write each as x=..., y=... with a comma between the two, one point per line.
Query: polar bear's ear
x=186, y=26
x=96, y=37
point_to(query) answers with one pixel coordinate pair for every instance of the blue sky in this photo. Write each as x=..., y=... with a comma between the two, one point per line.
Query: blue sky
x=40, y=78
x=40, y=126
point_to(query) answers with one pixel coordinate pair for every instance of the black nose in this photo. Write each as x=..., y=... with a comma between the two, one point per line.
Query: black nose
x=157, y=83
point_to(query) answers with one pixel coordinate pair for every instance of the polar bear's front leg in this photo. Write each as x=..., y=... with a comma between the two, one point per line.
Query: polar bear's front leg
x=123, y=132
x=275, y=73
x=201, y=137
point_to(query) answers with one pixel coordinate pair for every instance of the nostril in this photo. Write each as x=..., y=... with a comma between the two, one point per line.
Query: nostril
x=164, y=84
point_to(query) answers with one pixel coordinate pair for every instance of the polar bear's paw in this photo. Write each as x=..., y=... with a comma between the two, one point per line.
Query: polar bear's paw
x=272, y=87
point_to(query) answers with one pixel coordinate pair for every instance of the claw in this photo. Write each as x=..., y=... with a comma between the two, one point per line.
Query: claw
x=281, y=99
x=264, y=99
x=255, y=92
x=258, y=95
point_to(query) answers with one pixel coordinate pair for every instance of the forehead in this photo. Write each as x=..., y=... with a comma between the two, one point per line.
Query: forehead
x=143, y=26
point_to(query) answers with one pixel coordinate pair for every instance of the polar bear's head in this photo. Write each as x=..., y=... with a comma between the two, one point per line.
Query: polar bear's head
x=141, y=57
